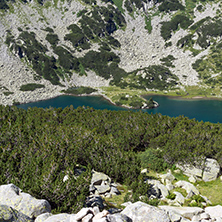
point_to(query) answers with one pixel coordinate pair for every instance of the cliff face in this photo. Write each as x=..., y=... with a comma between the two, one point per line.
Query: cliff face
x=142, y=45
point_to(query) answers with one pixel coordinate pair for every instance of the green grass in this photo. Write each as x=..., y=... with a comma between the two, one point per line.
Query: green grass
x=119, y=4
x=212, y=190
x=116, y=200
x=148, y=24
x=190, y=5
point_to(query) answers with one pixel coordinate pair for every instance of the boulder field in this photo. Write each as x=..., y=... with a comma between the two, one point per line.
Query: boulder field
x=17, y=206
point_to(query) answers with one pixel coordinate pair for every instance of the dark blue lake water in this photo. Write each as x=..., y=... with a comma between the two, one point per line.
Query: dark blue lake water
x=206, y=110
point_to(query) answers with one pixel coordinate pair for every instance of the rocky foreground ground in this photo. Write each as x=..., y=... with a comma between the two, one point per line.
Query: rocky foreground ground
x=16, y=205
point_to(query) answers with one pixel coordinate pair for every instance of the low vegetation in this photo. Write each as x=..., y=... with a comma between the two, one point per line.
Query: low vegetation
x=31, y=87
x=79, y=90
x=40, y=146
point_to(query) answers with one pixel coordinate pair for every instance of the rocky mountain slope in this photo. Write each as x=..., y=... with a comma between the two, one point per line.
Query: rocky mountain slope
x=130, y=45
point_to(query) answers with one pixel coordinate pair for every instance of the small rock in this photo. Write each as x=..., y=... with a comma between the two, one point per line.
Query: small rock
x=108, y=195
x=169, y=176
x=192, y=179
x=114, y=191
x=186, y=212
x=114, y=210
x=87, y=218
x=190, y=194
x=144, y=171
x=58, y=218
x=100, y=215
x=126, y=204
x=179, y=198
x=118, y=218
x=8, y=214
x=196, y=218
x=174, y=217
x=43, y=217
x=93, y=201
x=187, y=186
x=170, y=187
x=83, y=212
x=102, y=188
x=204, y=216
x=95, y=210
x=98, y=178
x=164, y=191
x=215, y=211
x=66, y=177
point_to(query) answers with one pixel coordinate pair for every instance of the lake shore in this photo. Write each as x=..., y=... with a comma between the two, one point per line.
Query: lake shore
x=41, y=95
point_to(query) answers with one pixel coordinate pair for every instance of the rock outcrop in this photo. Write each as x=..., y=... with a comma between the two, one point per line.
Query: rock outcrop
x=141, y=212
x=207, y=170
x=13, y=196
x=101, y=184
x=29, y=210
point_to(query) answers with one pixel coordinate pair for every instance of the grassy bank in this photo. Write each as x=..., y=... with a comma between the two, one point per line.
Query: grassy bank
x=127, y=96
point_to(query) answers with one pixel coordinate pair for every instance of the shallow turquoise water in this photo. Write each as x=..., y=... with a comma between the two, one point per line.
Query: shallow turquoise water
x=206, y=110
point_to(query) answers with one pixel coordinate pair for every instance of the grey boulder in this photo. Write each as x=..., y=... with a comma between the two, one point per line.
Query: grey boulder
x=8, y=214
x=211, y=170
x=12, y=196
x=142, y=212
x=118, y=218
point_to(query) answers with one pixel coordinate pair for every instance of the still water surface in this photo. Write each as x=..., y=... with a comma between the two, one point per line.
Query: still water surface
x=206, y=110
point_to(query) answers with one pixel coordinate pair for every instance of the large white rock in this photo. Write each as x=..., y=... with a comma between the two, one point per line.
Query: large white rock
x=190, y=170
x=215, y=211
x=99, y=178
x=83, y=212
x=43, y=217
x=164, y=191
x=12, y=196
x=211, y=170
x=168, y=176
x=140, y=212
x=179, y=198
x=208, y=170
x=58, y=218
x=187, y=186
x=100, y=215
x=186, y=212
x=8, y=214
x=118, y=218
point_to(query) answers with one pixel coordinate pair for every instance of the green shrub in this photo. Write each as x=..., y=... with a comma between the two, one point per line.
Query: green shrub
x=167, y=61
x=186, y=41
x=79, y=90
x=81, y=12
x=153, y=160
x=8, y=93
x=52, y=39
x=66, y=59
x=198, y=199
x=3, y=4
x=170, y=5
x=168, y=27
x=31, y=87
x=171, y=196
x=48, y=29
